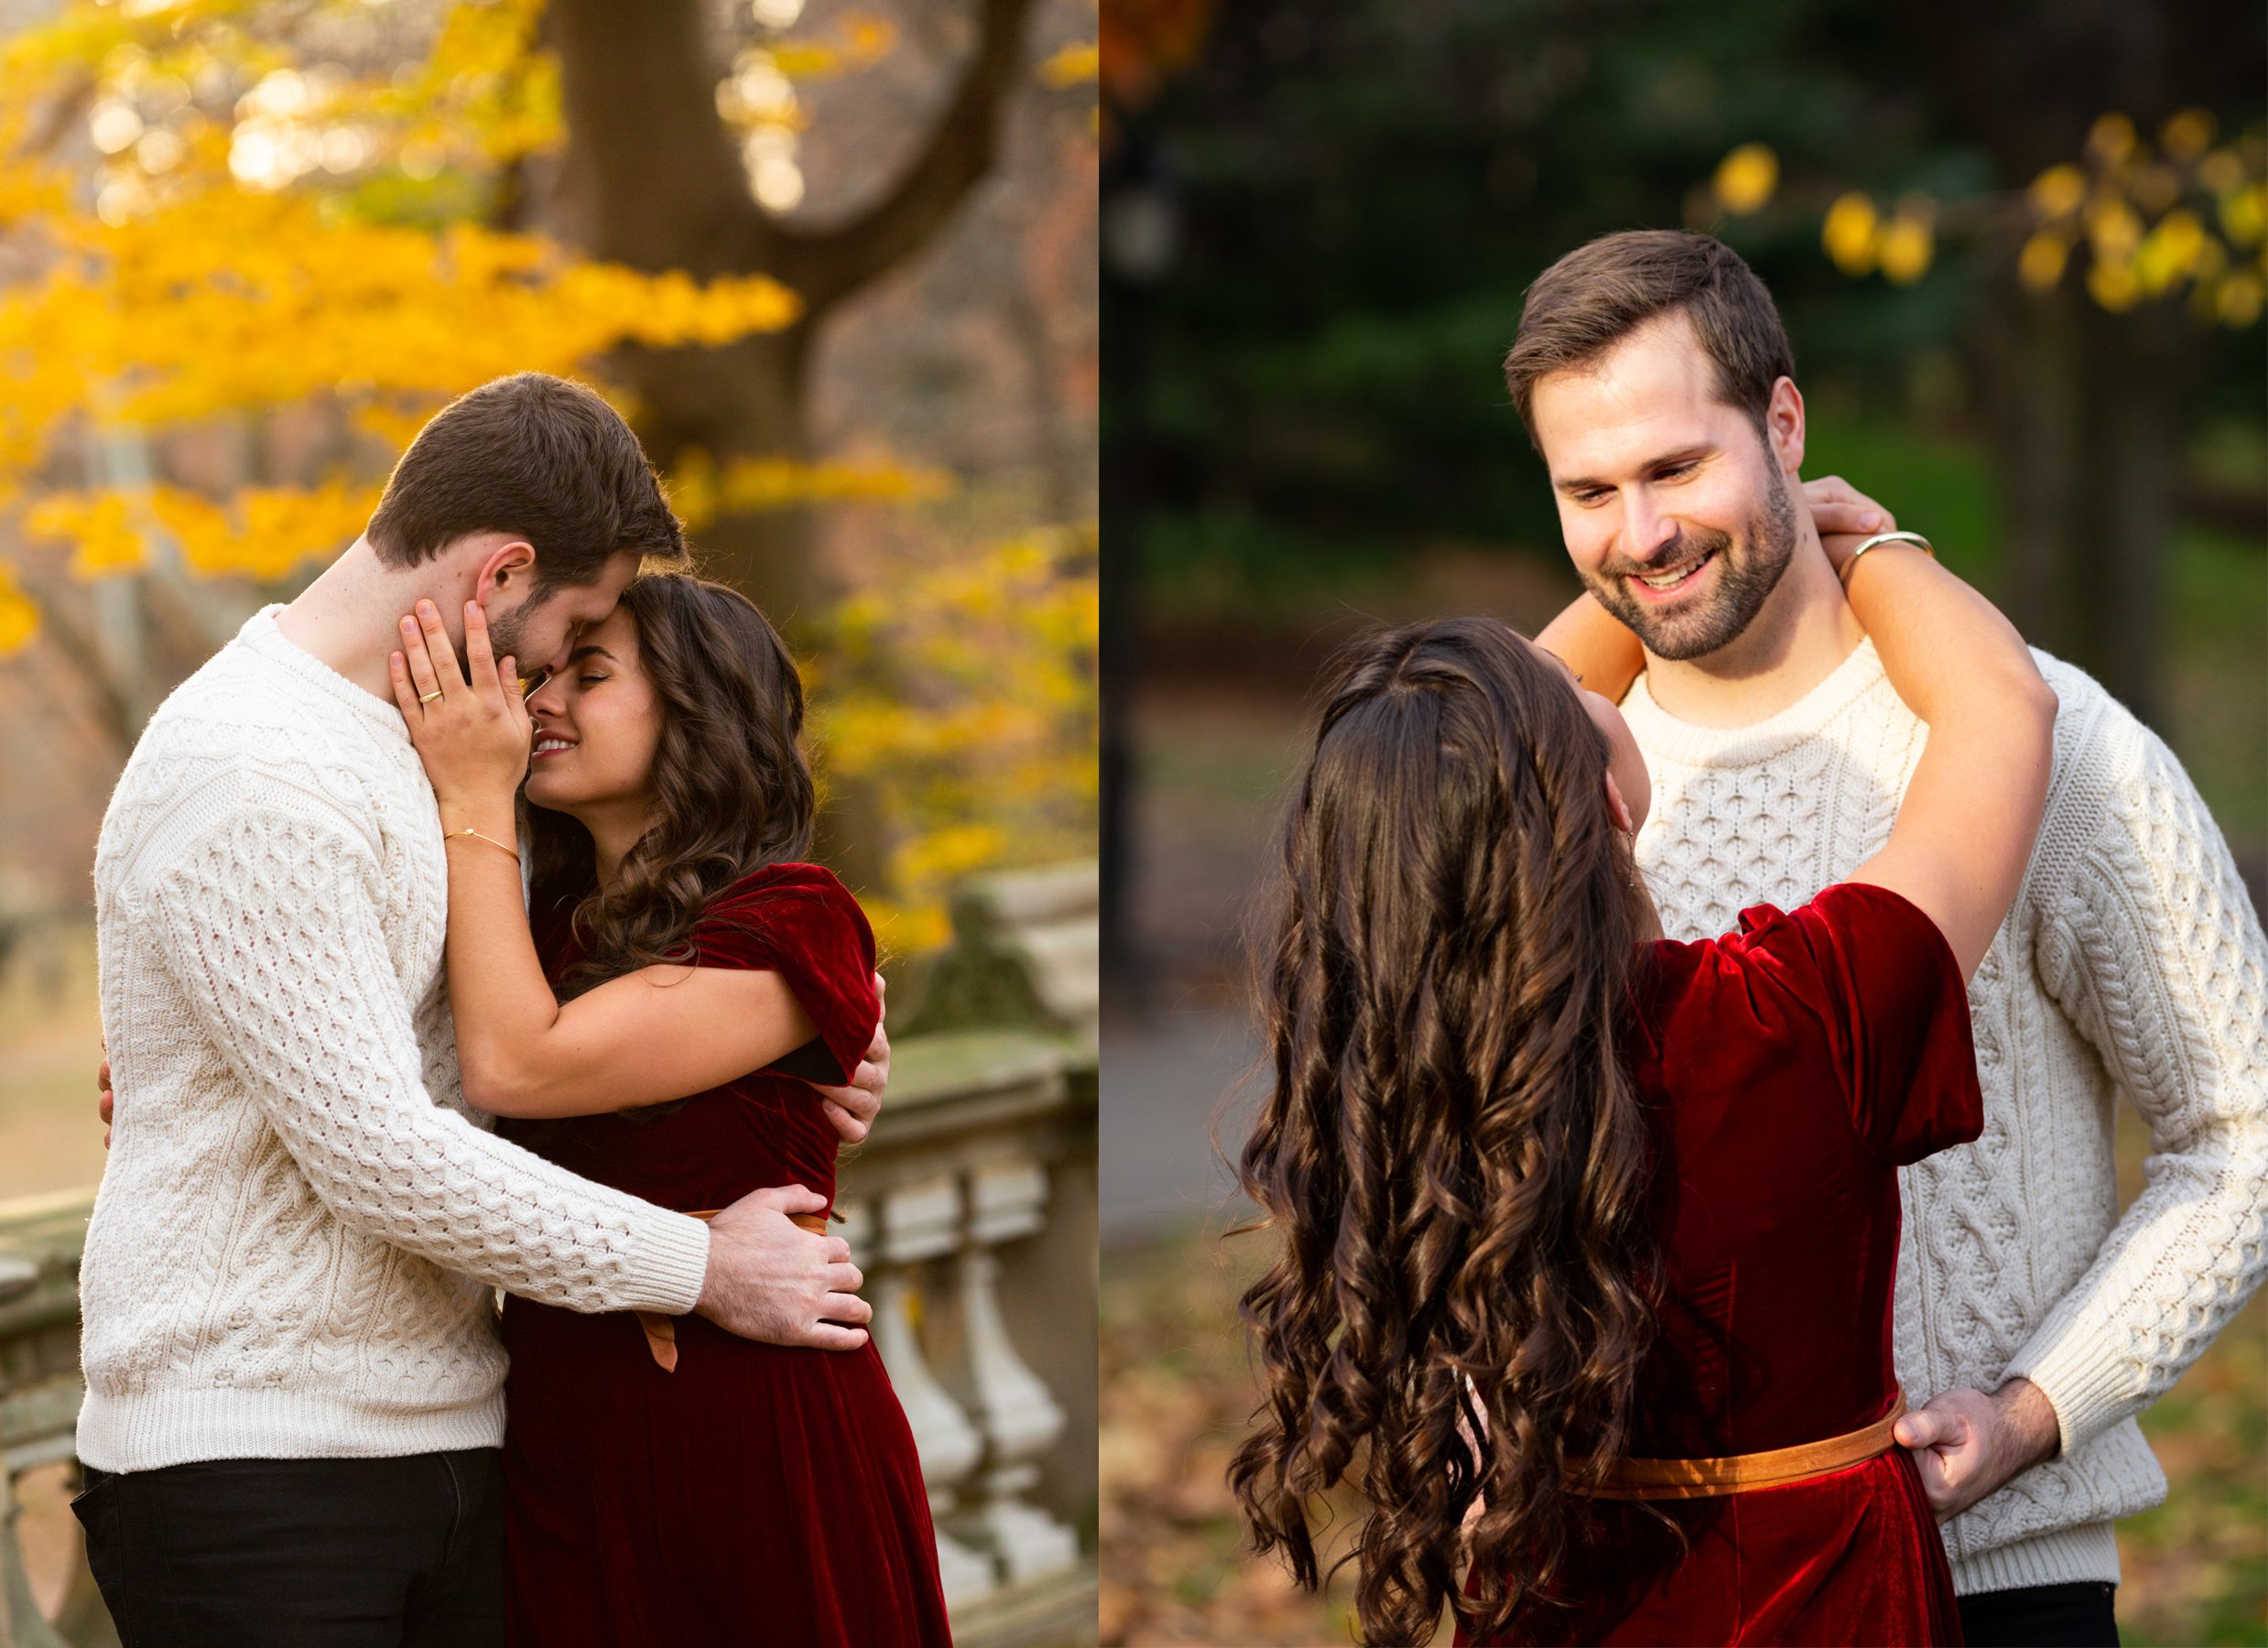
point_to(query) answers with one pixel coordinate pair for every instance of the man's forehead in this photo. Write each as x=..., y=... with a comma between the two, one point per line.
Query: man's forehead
x=1634, y=404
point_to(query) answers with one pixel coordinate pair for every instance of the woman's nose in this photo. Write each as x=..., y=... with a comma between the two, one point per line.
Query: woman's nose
x=550, y=698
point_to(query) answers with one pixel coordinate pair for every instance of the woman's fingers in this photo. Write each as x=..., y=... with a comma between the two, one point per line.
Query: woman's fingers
x=479, y=659
x=1838, y=508
x=405, y=694
x=422, y=675
x=439, y=651
x=1838, y=518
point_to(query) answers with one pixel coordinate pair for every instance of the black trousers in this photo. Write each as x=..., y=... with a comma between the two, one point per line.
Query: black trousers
x=400, y=1553
x=2051, y=1616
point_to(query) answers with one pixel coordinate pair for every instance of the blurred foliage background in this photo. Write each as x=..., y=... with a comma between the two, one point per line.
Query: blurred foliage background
x=2020, y=252
x=834, y=260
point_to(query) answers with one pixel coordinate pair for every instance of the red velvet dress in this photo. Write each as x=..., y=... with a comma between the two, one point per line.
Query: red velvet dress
x=758, y=1493
x=1795, y=1065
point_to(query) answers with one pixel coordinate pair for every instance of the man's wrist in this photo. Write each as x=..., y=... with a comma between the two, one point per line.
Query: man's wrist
x=2028, y=1419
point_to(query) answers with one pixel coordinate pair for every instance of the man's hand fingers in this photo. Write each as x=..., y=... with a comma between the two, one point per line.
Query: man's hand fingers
x=827, y=1335
x=847, y=1309
x=102, y=1076
x=843, y=1277
x=848, y=1127
x=787, y=1198
x=838, y=1253
x=1927, y=1427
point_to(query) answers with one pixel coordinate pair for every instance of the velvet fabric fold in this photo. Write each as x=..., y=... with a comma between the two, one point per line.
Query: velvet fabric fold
x=756, y=1492
x=1792, y=1068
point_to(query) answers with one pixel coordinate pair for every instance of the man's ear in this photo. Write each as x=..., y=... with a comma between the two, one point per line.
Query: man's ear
x=1784, y=426
x=509, y=571
x=1618, y=807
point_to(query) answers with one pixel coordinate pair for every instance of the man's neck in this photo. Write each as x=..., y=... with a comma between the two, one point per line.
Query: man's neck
x=350, y=617
x=1803, y=631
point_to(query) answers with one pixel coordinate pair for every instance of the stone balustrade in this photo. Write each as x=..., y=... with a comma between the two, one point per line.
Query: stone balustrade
x=971, y=1210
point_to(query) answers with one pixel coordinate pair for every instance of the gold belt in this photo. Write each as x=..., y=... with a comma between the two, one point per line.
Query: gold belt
x=1738, y=1473
x=661, y=1331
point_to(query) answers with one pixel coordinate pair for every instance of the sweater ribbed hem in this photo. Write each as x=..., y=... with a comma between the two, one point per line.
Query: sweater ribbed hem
x=671, y=1265
x=152, y=1430
x=2067, y=1556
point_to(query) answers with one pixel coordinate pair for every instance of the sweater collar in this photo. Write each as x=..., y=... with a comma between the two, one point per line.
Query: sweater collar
x=1663, y=737
x=261, y=635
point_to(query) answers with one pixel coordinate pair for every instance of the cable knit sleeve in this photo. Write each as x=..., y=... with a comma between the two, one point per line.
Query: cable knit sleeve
x=2152, y=948
x=268, y=914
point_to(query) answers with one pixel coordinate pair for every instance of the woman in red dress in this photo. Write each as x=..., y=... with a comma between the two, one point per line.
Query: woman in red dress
x=1589, y=1238
x=669, y=1482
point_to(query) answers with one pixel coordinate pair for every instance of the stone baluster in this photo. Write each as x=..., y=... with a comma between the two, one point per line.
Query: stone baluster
x=919, y=1222
x=1019, y=1416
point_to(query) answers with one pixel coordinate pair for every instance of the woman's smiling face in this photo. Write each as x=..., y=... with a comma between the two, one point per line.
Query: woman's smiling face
x=597, y=723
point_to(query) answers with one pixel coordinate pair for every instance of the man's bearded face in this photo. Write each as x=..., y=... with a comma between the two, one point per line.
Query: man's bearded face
x=1704, y=588
x=1676, y=505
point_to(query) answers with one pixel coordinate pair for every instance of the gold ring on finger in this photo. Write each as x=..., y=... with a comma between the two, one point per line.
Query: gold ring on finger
x=427, y=697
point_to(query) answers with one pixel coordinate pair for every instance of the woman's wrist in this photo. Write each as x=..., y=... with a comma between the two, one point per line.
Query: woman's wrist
x=490, y=816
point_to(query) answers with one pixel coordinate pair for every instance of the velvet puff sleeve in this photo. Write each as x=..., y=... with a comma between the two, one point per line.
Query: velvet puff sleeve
x=1879, y=976
x=799, y=921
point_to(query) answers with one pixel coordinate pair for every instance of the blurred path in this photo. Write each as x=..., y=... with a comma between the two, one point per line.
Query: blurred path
x=1164, y=1075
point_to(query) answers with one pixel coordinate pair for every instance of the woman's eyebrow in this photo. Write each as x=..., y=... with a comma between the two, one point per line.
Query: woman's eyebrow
x=580, y=653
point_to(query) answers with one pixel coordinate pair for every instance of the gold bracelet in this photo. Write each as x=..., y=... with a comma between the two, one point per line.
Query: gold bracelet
x=450, y=835
x=1914, y=538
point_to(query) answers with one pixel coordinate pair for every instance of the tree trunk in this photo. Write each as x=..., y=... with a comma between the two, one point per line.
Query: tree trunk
x=652, y=178
x=745, y=400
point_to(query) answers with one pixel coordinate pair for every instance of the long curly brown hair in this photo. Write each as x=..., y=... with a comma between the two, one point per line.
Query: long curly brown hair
x=1453, y=1155
x=732, y=785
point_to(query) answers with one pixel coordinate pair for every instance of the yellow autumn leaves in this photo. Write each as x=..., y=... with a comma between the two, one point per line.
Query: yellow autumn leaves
x=965, y=693
x=2107, y=205
x=2147, y=220
x=262, y=531
x=1862, y=241
x=270, y=261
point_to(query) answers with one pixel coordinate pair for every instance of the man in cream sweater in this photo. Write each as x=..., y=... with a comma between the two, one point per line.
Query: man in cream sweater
x=294, y=1383
x=1653, y=374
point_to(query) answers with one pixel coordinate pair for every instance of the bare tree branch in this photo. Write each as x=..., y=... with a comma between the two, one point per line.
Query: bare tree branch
x=829, y=264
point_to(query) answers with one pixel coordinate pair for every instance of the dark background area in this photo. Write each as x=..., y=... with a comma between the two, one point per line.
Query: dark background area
x=1317, y=224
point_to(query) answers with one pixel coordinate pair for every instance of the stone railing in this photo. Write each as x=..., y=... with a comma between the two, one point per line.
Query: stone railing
x=971, y=1210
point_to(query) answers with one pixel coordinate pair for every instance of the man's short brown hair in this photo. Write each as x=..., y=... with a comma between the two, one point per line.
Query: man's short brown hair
x=1603, y=291
x=537, y=456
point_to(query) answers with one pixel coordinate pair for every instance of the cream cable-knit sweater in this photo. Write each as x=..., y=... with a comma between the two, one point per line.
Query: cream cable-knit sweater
x=2133, y=963
x=294, y=1243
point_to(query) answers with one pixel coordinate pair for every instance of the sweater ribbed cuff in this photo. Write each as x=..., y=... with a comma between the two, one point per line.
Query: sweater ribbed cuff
x=669, y=1263
x=2079, y=1556
x=2090, y=1387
